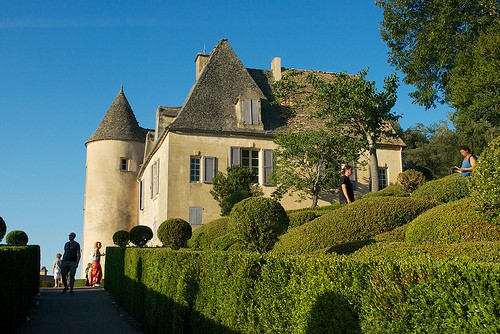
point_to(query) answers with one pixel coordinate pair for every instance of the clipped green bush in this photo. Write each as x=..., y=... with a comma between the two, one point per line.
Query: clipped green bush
x=204, y=235
x=257, y=222
x=446, y=189
x=224, y=243
x=227, y=203
x=410, y=180
x=140, y=235
x=17, y=238
x=342, y=230
x=300, y=218
x=3, y=228
x=482, y=251
x=397, y=234
x=394, y=190
x=484, y=182
x=452, y=222
x=175, y=233
x=121, y=238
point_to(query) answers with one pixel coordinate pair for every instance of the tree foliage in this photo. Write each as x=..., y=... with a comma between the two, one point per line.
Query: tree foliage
x=352, y=105
x=238, y=180
x=447, y=49
x=309, y=162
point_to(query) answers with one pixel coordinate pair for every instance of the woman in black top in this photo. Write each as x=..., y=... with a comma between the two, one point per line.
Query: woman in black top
x=346, y=192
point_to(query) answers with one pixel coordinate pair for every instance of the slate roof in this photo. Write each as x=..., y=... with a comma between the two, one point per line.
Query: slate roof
x=119, y=123
x=210, y=106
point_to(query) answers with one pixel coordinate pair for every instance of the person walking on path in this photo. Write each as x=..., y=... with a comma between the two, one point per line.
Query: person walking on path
x=56, y=269
x=70, y=261
x=96, y=271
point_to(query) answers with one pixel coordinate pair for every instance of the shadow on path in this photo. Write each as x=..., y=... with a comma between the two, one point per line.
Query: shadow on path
x=88, y=310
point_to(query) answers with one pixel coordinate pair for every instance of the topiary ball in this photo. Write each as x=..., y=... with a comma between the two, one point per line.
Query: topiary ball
x=204, y=235
x=446, y=189
x=121, y=238
x=175, y=233
x=17, y=238
x=410, y=180
x=257, y=222
x=227, y=203
x=3, y=228
x=140, y=235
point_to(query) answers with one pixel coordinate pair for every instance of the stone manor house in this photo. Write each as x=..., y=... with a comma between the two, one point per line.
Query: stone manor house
x=140, y=176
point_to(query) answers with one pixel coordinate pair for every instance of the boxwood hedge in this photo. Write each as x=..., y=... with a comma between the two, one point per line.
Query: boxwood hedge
x=343, y=229
x=204, y=235
x=452, y=222
x=446, y=189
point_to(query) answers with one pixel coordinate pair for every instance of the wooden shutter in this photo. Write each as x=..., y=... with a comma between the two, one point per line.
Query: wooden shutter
x=255, y=112
x=235, y=156
x=209, y=169
x=195, y=215
x=247, y=111
x=268, y=165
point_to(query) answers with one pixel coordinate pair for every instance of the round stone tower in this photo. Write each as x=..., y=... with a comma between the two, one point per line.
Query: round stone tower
x=114, y=153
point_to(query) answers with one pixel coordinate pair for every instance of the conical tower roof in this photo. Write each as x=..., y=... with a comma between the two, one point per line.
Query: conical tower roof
x=119, y=123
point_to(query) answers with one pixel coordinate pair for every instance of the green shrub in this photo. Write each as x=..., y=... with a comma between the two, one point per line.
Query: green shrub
x=3, y=228
x=483, y=251
x=121, y=238
x=227, y=203
x=224, y=242
x=394, y=190
x=140, y=235
x=300, y=218
x=452, y=222
x=204, y=235
x=397, y=234
x=446, y=189
x=17, y=238
x=484, y=182
x=410, y=180
x=175, y=233
x=343, y=229
x=257, y=222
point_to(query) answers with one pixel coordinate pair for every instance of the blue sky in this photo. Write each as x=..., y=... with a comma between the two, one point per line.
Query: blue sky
x=62, y=64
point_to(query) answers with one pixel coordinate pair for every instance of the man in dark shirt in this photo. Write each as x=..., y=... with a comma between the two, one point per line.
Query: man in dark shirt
x=69, y=263
x=346, y=191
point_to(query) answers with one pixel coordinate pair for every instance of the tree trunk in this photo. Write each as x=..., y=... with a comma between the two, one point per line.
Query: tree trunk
x=373, y=165
x=314, y=200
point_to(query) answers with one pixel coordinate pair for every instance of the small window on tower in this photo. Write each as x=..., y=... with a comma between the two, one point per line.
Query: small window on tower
x=124, y=164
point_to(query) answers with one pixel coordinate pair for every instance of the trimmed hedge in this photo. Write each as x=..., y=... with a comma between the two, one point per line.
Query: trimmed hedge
x=484, y=182
x=175, y=233
x=452, y=222
x=232, y=292
x=394, y=190
x=348, y=228
x=17, y=238
x=3, y=228
x=19, y=282
x=397, y=234
x=204, y=235
x=446, y=189
x=300, y=218
x=483, y=251
x=121, y=238
x=257, y=222
x=140, y=235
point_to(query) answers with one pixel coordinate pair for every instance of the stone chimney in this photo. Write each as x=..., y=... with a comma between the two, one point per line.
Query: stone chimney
x=201, y=60
x=276, y=68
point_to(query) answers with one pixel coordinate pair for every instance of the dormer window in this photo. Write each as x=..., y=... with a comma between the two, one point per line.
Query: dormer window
x=250, y=111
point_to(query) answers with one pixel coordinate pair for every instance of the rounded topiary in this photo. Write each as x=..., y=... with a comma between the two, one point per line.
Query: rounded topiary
x=393, y=190
x=121, y=238
x=140, y=235
x=224, y=242
x=452, y=222
x=228, y=202
x=3, y=228
x=257, y=222
x=17, y=238
x=342, y=230
x=446, y=189
x=484, y=182
x=410, y=180
x=204, y=235
x=300, y=218
x=174, y=233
